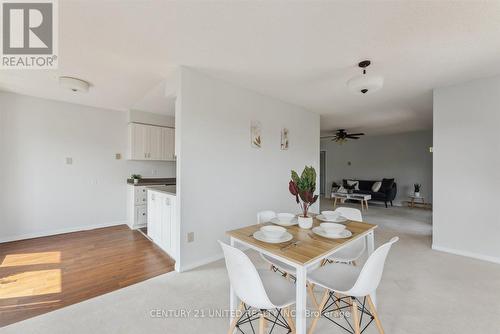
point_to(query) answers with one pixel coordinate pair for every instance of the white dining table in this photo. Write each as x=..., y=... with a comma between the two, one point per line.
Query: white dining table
x=308, y=253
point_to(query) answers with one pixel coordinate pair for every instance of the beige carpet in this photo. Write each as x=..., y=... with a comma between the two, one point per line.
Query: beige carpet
x=422, y=291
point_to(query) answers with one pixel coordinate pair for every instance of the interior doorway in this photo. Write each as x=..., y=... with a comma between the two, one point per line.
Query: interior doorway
x=322, y=172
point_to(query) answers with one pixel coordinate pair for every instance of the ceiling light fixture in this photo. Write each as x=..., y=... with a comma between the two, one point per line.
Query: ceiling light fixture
x=364, y=83
x=74, y=84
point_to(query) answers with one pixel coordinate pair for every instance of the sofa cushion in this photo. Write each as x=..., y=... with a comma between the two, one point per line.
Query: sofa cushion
x=363, y=192
x=365, y=185
x=353, y=184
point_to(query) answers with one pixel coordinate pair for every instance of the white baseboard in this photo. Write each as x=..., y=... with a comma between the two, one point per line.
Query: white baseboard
x=59, y=231
x=200, y=263
x=467, y=254
x=206, y=260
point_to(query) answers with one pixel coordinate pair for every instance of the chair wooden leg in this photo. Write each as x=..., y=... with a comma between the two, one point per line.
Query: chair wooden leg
x=310, y=289
x=355, y=317
x=235, y=320
x=289, y=319
x=373, y=310
x=320, y=308
x=354, y=263
x=262, y=322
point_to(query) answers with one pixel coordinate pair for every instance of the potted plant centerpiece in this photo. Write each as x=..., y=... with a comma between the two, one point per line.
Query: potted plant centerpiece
x=136, y=178
x=417, y=187
x=303, y=188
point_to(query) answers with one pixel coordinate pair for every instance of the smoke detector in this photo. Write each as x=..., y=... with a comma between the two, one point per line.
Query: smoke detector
x=364, y=83
x=74, y=84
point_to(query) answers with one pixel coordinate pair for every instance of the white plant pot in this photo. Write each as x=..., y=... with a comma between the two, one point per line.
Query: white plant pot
x=305, y=222
x=417, y=194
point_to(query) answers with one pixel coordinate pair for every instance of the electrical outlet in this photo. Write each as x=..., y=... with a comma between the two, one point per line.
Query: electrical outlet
x=69, y=161
x=118, y=156
x=190, y=236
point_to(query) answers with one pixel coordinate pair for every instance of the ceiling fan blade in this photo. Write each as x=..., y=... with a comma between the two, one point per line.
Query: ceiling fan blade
x=353, y=137
x=356, y=134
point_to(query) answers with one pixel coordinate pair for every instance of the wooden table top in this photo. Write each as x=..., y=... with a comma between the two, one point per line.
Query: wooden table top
x=310, y=246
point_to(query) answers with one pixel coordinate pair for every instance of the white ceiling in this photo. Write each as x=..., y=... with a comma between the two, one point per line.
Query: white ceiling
x=302, y=52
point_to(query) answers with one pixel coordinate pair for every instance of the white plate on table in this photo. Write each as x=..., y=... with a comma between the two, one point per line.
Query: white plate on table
x=261, y=237
x=342, y=235
x=338, y=219
x=276, y=221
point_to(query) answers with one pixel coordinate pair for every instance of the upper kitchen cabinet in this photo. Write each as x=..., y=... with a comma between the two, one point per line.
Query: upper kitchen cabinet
x=151, y=142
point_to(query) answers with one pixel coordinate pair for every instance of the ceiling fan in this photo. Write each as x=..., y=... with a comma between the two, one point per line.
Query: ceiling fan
x=341, y=136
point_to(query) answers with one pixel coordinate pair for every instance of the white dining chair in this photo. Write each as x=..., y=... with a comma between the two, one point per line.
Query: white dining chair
x=275, y=265
x=354, y=250
x=345, y=285
x=264, y=295
x=265, y=216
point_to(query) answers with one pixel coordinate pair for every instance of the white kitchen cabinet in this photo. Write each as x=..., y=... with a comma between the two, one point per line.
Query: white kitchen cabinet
x=150, y=142
x=136, y=206
x=168, y=137
x=161, y=219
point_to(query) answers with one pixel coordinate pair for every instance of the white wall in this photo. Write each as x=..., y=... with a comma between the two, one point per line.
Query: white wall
x=39, y=193
x=222, y=180
x=138, y=116
x=404, y=156
x=466, y=219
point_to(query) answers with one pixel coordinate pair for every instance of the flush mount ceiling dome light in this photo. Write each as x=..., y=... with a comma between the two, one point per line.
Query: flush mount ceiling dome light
x=74, y=84
x=364, y=83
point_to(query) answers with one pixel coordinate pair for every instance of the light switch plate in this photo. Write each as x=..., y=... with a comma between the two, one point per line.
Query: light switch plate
x=190, y=236
x=118, y=156
x=69, y=161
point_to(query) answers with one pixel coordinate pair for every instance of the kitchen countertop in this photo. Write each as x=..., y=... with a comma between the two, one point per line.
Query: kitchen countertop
x=153, y=182
x=171, y=190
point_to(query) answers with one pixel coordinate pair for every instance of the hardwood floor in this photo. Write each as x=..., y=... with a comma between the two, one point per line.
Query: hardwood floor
x=43, y=274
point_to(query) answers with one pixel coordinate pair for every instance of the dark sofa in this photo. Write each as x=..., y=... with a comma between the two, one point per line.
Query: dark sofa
x=386, y=193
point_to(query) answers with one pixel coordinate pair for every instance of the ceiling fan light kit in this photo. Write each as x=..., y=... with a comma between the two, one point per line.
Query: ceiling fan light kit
x=364, y=83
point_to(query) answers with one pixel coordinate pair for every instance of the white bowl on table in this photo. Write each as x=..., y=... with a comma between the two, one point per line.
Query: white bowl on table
x=332, y=228
x=273, y=232
x=285, y=217
x=330, y=215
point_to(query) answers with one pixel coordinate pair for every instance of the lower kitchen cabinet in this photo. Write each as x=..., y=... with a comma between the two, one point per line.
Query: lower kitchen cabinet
x=161, y=219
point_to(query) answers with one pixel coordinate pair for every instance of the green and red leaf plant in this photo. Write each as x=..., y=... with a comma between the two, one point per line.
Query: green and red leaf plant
x=303, y=188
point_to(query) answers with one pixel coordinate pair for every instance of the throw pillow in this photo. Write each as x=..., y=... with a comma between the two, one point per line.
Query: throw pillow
x=354, y=184
x=376, y=186
x=342, y=190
